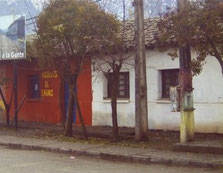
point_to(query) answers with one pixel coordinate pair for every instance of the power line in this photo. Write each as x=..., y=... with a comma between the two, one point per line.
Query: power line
x=155, y=7
x=29, y=29
x=31, y=18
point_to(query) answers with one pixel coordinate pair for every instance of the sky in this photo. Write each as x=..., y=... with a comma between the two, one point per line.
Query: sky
x=6, y=21
x=37, y=3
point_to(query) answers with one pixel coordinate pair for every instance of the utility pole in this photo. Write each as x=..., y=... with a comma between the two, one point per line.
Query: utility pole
x=186, y=89
x=15, y=88
x=141, y=112
x=15, y=83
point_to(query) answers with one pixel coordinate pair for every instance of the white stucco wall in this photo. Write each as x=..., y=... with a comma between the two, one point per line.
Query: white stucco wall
x=208, y=97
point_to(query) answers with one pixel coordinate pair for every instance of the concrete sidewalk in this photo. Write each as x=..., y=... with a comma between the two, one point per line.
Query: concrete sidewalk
x=118, y=153
x=205, y=146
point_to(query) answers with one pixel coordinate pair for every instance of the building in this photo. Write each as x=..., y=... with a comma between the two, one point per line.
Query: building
x=46, y=97
x=162, y=72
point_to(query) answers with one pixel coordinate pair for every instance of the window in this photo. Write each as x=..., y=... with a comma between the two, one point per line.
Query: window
x=169, y=78
x=123, y=85
x=34, y=86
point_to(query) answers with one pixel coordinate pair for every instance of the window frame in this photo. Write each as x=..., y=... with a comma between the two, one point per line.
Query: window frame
x=34, y=80
x=173, y=75
x=125, y=85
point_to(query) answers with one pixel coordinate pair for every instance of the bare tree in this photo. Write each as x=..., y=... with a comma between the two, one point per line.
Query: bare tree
x=110, y=63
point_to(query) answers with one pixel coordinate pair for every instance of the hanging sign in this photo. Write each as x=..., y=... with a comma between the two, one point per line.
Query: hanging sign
x=12, y=37
x=174, y=99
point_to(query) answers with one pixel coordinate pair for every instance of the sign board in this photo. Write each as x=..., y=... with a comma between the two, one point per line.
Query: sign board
x=174, y=99
x=49, y=74
x=12, y=37
x=188, y=101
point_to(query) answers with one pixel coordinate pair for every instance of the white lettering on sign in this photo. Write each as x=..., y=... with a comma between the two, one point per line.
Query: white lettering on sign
x=12, y=55
x=17, y=55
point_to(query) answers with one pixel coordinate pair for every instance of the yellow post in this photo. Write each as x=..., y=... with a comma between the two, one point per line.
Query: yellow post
x=191, y=125
x=187, y=126
x=186, y=93
x=183, y=127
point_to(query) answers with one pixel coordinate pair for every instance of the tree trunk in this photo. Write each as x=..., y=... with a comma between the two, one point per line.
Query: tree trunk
x=61, y=102
x=80, y=115
x=69, y=120
x=114, y=106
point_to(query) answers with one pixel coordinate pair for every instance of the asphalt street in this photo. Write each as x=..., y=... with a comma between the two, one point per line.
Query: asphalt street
x=23, y=161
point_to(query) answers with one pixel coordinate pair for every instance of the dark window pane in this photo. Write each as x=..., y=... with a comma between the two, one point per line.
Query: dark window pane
x=34, y=90
x=123, y=85
x=169, y=78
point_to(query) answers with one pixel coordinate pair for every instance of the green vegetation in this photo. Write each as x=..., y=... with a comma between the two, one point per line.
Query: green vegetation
x=199, y=24
x=69, y=32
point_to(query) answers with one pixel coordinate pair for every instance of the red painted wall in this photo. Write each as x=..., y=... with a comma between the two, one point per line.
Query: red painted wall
x=47, y=107
x=85, y=94
x=43, y=109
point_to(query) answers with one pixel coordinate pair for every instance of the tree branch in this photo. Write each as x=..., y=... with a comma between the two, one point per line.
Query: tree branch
x=217, y=55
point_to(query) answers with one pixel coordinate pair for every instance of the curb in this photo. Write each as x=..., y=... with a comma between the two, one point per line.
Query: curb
x=118, y=157
x=187, y=147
